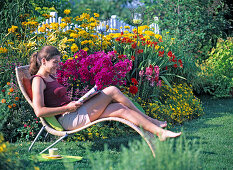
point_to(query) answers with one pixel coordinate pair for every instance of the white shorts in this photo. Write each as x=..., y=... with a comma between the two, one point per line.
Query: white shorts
x=74, y=120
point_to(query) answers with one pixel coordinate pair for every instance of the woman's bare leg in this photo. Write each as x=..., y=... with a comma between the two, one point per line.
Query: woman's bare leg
x=101, y=106
x=119, y=97
x=119, y=110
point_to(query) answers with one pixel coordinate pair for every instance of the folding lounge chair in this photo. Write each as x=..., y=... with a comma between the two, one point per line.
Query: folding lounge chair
x=52, y=126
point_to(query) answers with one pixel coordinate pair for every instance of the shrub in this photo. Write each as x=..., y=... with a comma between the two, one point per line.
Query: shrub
x=216, y=76
x=9, y=158
x=175, y=105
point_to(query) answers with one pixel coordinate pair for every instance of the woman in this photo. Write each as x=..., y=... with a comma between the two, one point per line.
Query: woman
x=50, y=99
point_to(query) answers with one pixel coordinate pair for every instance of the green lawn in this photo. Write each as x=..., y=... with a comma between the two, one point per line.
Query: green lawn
x=213, y=131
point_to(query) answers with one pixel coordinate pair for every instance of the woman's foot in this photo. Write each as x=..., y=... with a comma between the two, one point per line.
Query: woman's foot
x=159, y=123
x=163, y=135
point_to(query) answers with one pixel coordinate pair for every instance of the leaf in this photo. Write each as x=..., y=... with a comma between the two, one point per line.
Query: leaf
x=165, y=80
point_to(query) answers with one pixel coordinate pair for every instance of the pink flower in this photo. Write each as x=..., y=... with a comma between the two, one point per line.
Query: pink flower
x=25, y=125
x=159, y=83
x=149, y=71
x=141, y=73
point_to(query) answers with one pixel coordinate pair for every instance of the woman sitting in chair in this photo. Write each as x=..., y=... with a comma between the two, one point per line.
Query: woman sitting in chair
x=50, y=99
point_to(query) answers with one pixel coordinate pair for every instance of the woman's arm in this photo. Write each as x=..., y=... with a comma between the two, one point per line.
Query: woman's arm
x=40, y=110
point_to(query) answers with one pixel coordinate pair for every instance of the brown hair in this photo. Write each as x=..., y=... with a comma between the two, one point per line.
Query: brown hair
x=47, y=52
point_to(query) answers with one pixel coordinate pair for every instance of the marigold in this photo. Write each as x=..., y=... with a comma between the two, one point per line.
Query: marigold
x=96, y=15
x=11, y=89
x=74, y=47
x=14, y=105
x=66, y=11
x=3, y=50
x=16, y=98
x=10, y=106
x=3, y=101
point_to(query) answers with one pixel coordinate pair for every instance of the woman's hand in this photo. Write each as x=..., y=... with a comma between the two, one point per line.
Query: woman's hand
x=73, y=106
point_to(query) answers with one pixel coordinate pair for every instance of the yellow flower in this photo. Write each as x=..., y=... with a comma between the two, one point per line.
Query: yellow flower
x=54, y=26
x=52, y=8
x=65, y=56
x=66, y=11
x=85, y=49
x=73, y=35
x=70, y=40
x=37, y=8
x=127, y=27
x=84, y=42
x=63, y=25
x=93, y=24
x=12, y=29
x=74, y=47
x=96, y=15
x=158, y=36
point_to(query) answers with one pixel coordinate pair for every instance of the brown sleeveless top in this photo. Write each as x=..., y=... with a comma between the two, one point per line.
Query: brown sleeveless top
x=55, y=94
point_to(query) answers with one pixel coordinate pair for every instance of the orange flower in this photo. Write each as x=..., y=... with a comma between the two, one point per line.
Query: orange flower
x=10, y=106
x=3, y=101
x=11, y=89
x=8, y=83
x=14, y=105
x=16, y=98
x=9, y=93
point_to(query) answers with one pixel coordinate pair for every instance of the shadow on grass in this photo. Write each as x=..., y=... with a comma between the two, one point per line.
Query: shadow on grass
x=114, y=143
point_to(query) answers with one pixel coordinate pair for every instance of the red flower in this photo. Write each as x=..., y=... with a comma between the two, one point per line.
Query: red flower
x=175, y=65
x=143, y=39
x=139, y=51
x=30, y=133
x=166, y=68
x=181, y=63
x=132, y=58
x=160, y=40
x=161, y=53
x=134, y=45
x=118, y=38
x=25, y=125
x=134, y=81
x=122, y=33
x=3, y=90
x=174, y=58
x=133, y=89
x=36, y=121
x=169, y=54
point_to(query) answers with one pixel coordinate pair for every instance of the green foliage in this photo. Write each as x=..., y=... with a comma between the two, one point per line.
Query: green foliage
x=12, y=12
x=9, y=158
x=102, y=130
x=216, y=76
x=170, y=155
x=106, y=8
x=195, y=24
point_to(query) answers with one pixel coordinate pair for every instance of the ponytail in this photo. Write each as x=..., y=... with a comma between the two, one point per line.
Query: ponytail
x=34, y=66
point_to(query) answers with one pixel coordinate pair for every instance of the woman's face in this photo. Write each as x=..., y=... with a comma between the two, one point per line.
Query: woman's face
x=53, y=64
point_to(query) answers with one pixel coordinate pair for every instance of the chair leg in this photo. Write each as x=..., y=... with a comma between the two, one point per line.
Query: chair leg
x=41, y=130
x=46, y=136
x=54, y=143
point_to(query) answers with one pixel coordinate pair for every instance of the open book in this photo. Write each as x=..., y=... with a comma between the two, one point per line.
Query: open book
x=89, y=95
